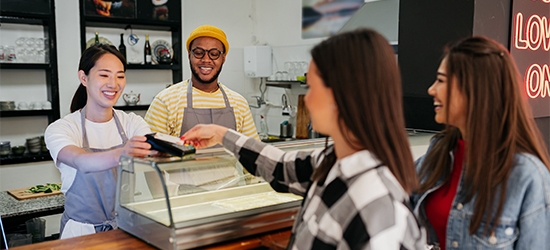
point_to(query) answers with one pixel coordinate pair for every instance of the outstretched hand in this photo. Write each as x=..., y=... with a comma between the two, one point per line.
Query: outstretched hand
x=204, y=135
x=86, y=162
x=138, y=147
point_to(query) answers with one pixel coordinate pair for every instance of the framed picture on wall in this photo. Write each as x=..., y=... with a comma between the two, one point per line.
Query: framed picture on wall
x=110, y=8
x=322, y=18
x=161, y=10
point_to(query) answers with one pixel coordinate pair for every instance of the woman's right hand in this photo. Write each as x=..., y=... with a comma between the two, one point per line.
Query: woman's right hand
x=138, y=147
x=79, y=159
x=204, y=135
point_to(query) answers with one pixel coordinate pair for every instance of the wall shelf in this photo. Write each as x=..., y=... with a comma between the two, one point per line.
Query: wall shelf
x=283, y=84
x=122, y=23
x=24, y=66
x=24, y=18
x=17, y=159
x=154, y=66
x=132, y=107
x=19, y=113
x=36, y=14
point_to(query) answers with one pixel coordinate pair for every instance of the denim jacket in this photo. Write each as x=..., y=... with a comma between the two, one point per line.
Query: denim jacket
x=525, y=219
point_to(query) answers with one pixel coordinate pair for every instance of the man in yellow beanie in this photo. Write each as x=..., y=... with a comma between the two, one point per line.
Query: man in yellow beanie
x=201, y=99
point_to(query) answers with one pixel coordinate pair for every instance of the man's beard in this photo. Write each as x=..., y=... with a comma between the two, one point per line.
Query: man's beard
x=196, y=75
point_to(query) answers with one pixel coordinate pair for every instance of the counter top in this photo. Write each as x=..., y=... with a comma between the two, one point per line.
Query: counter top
x=118, y=239
x=12, y=207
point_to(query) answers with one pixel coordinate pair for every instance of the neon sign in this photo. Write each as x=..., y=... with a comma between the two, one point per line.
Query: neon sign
x=537, y=32
x=537, y=81
x=530, y=47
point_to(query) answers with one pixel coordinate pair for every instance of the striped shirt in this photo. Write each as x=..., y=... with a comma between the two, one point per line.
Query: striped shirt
x=359, y=206
x=165, y=114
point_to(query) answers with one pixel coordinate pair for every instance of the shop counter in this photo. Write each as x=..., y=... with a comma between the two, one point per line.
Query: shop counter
x=118, y=239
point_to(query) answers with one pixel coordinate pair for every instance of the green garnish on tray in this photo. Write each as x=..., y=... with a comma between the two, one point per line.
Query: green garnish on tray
x=48, y=188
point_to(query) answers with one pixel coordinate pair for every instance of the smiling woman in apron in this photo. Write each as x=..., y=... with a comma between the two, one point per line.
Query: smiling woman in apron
x=86, y=145
x=201, y=99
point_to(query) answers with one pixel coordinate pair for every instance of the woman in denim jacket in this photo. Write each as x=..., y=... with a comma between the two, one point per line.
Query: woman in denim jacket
x=485, y=181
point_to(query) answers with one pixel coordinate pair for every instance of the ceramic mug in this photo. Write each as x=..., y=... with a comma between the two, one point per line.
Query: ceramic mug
x=46, y=105
x=35, y=105
x=22, y=106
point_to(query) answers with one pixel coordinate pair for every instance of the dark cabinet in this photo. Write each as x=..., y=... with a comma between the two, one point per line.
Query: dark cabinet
x=38, y=18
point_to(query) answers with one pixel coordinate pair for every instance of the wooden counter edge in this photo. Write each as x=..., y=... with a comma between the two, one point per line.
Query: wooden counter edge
x=114, y=239
x=118, y=239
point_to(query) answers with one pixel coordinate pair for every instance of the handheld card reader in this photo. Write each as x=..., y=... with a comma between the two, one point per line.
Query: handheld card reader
x=169, y=144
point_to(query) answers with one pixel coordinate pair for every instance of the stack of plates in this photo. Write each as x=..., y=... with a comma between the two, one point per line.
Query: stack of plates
x=35, y=144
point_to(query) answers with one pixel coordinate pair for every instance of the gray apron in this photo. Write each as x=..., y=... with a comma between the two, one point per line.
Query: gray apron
x=91, y=197
x=193, y=116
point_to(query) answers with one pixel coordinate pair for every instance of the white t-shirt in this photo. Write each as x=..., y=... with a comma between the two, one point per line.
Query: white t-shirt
x=68, y=131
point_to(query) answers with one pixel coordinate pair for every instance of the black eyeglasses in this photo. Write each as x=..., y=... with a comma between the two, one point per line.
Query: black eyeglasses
x=212, y=53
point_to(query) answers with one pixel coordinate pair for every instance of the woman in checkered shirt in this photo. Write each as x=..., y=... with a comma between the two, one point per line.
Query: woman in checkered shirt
x=356, y=190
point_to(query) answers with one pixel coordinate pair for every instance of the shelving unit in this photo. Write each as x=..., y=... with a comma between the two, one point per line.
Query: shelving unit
x=141, y=22
x=132, y=107
x=28, y=157
x=284, y=84
x=40, y=14
x=47, y=21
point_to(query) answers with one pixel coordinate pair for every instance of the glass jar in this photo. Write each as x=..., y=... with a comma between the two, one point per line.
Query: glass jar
x=11, y=54
x=1, y=53
x=5, y=148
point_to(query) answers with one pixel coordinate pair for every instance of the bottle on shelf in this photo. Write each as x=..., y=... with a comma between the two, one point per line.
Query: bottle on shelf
x=263, y=133
x=122, y=47
x=96, y=37
x=147, y=50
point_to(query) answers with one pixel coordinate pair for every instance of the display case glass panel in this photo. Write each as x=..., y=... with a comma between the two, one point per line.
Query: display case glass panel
x=209, y=197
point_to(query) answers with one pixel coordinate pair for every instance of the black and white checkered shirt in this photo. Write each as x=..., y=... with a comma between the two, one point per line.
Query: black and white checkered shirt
x=359, y=206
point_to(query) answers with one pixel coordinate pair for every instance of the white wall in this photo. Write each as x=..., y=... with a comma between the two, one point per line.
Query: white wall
x=256, y=22
x=246, y=22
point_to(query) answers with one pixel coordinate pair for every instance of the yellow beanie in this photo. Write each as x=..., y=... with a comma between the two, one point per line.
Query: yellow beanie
x=208, y=31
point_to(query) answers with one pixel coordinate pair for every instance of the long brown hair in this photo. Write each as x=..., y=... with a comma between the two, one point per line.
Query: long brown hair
x=499, y=124
x=361, y=69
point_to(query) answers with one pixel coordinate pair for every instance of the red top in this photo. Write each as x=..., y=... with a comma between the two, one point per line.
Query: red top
x=438, y=203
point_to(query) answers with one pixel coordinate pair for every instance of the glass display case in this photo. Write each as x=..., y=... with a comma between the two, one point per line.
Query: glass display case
x=205, y=198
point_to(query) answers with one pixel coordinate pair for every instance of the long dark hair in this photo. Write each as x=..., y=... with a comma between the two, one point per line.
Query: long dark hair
x=87, y=62
x=499, y=124
x=361, y=69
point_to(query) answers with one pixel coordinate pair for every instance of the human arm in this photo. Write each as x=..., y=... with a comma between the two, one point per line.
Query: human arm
x=534, y=218
x=534, y=231
x=81, y=160
x=205, y=135
x=67, y=133
x=285, y=171
x=404, y=233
